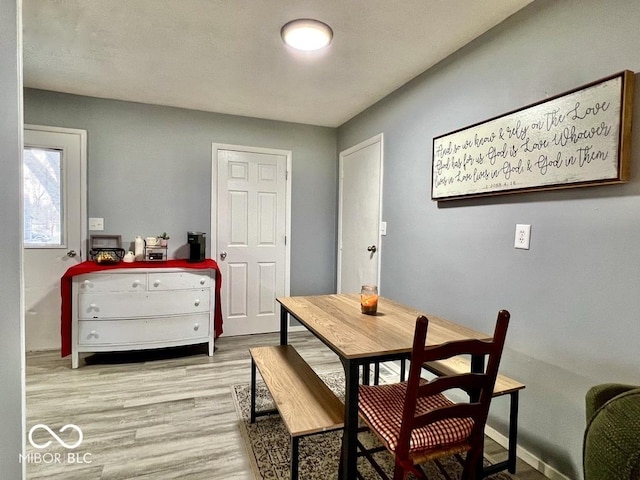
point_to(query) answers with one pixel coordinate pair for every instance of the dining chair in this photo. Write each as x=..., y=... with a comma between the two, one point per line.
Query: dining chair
x=414, y=419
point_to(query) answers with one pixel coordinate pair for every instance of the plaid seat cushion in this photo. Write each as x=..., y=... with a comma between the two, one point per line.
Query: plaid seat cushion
x=381, y=406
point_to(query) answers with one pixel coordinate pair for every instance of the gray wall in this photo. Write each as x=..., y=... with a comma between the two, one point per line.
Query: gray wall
x=149, y=171
x=11, y=350
x=574, y=296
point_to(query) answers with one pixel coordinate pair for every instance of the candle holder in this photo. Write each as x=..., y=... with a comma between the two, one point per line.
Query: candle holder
x=369, y=299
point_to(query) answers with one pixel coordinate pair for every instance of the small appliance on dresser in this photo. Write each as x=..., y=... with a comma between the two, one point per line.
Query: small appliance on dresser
x=197, y=243
x=153, y=251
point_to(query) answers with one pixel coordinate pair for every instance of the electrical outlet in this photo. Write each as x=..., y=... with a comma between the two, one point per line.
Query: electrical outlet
x=96, y=224
x=523, y=236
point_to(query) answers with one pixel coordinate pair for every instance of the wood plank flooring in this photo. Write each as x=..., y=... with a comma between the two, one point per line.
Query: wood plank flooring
x=155, y=414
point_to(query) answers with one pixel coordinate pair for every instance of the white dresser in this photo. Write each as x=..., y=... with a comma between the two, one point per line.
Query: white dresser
x=141, y=308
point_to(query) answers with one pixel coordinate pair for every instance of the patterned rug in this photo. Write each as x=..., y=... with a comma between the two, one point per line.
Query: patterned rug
x=268, y=443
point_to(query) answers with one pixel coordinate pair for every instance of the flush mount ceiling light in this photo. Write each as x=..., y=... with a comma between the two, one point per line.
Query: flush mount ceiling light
x=306, y=34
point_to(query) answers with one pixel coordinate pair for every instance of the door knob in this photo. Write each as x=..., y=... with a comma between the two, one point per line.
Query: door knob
x=223, y=255
x=372, y=249
x=71, y=253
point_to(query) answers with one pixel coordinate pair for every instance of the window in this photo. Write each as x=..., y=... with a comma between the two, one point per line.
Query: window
x=43, y=198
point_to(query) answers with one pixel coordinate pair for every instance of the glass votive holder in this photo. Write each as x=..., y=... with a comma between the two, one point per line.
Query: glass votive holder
x=369, y=299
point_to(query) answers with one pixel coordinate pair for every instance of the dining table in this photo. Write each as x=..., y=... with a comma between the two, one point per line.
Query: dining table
x=360, y=340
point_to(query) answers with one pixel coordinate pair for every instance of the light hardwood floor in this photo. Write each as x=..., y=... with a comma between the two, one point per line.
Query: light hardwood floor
x=155, y=416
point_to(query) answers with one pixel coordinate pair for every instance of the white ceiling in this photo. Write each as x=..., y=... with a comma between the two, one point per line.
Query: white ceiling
x=227, y=56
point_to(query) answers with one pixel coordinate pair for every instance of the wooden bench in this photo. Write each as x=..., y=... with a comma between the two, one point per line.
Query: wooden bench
x=504, y=386
x=305, y=403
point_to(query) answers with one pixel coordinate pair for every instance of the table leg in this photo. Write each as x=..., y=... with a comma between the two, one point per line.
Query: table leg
x=477, y=366
x=513, y=432
x=350, y=435
x=511, y=462
x=284, y=325
x=366, y=374
x=253, y=391
x=376, y=374
x=294, y=457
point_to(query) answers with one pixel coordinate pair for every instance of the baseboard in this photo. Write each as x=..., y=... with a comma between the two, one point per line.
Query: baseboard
x=526, y=456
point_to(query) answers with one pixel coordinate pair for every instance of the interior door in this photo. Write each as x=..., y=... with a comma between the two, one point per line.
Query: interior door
x=54, y=224
x=252, y=218
x=359, y=218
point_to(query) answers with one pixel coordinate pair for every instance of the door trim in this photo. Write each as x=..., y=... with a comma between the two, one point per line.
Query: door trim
x=215, y=147
x=379, y=138
x=84, y=239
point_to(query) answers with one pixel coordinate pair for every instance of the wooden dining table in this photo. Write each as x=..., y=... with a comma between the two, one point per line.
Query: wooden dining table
x=360, y=340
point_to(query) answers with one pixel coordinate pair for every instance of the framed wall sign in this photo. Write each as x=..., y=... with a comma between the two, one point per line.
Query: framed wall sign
x=578, y=138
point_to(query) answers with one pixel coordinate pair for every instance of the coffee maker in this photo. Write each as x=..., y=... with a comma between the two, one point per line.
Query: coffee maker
x=197, y=243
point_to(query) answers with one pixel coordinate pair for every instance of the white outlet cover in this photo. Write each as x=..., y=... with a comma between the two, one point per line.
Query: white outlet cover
x=96, y=224
x=523, y=236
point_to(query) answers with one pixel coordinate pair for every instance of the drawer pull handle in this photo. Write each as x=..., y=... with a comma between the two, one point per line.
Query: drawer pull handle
x=202, y=281
x=196, y=327
x=86, y=283
x=136, y=283
x=156, y=283
x=197, y=302
x=93, y=333
x=93, y=306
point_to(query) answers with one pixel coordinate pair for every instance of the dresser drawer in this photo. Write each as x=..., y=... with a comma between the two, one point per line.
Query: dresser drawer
x=144, y=304
x=178, y=280
x=142, y=307
x=143, y=331
x=116, y=282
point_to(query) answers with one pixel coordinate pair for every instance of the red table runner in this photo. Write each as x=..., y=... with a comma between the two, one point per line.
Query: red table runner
x=89, y=266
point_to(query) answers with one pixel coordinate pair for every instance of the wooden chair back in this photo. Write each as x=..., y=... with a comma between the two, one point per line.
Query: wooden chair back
x=478, y=384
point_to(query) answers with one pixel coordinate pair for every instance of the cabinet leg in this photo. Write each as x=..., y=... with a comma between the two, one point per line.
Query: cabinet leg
x=74, y=360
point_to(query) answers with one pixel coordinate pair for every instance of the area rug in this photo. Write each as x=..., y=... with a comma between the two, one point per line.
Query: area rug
x=268, y=443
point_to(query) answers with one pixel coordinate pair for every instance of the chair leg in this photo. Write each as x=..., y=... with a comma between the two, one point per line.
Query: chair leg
x=472, y=466
x=443, y=470
x=398, y=472
x=368, y=454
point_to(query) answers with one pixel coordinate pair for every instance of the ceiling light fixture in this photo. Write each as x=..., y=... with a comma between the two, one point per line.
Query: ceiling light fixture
x=306, y=34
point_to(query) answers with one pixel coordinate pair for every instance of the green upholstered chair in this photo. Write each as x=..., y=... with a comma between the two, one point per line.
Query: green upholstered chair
x=612, y=437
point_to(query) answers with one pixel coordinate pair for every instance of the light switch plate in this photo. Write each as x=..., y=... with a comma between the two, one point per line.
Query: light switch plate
x=523, y=236
x=96, y=224
x=383, y=228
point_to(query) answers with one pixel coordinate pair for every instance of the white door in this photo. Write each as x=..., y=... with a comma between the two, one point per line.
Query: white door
x=54, y=224
x=359, y=217
x=251, y=218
